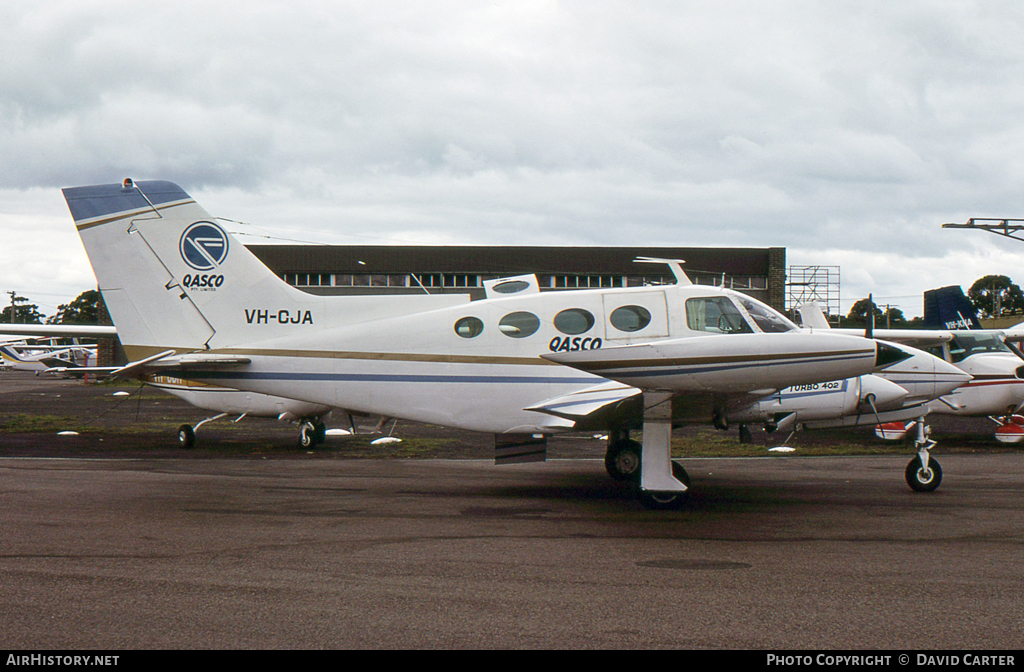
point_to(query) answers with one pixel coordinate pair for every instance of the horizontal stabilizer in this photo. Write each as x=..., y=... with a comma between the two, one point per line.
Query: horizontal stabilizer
x=162, y=361
x=56, y=330
x=201, y=360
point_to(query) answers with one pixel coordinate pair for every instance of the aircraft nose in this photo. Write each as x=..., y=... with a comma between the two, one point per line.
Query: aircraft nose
x=885, y=395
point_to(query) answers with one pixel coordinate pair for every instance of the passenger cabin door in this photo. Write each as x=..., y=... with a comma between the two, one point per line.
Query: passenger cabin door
x=630, y=315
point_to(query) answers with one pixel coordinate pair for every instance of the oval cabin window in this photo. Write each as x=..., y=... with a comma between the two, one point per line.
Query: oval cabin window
x=630, y=318
x=510, y=287
x=519, y=325
x=574, y=321
x=469, y=327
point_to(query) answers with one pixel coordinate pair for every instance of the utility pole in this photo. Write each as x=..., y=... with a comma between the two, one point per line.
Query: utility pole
x=12, y=305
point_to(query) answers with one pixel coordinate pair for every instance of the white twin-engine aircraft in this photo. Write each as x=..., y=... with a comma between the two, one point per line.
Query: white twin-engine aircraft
x=996, y=388
x=192, y=304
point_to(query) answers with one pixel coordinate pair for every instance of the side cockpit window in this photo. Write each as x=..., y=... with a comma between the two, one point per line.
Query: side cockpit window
x=715, y=314
x=766, y=318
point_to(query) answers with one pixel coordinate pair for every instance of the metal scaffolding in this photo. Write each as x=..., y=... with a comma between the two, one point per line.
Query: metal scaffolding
x=815, y=283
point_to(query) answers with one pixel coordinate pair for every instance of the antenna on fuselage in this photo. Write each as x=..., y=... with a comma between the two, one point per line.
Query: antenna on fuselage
x=869, y=329
x=674, y=265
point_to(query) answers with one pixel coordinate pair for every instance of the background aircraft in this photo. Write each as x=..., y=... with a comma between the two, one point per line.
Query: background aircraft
x=996, y=389
x=39, y=358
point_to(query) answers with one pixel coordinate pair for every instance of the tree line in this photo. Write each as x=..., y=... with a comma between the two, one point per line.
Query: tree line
x=991, y=296
x=86, y=308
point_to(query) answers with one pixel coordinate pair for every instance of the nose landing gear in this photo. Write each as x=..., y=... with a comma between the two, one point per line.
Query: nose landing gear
x=924, y=474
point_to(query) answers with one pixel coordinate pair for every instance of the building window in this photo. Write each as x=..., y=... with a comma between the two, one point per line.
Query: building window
x=584, y=281
x=307, y=279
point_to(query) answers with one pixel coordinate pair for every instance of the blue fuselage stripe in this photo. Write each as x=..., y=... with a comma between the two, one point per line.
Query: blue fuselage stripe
x=381, y=378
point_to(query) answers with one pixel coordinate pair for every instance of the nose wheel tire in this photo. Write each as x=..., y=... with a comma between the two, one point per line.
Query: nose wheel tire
x=311, y=435
x=186, y=437
x=924, y=480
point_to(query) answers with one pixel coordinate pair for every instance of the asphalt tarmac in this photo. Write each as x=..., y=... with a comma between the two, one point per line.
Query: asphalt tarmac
x=246, y=549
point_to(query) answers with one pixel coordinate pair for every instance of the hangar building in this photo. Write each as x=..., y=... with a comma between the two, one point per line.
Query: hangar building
x=390, y=269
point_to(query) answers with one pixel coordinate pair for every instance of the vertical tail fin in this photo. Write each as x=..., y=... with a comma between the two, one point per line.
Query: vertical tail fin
x=172, y=277
x=948, y=308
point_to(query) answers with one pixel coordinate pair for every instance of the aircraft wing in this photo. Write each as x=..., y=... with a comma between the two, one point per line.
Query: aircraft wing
x=1014, y=333
x=593, y=405
x=919, y=338
x=812, y=317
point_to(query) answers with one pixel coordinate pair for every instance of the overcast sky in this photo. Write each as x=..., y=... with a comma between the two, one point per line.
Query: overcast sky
x=846, y=132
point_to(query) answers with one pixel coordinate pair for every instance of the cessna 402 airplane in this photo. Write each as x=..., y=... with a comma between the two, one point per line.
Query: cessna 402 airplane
x=953, y=333
x=191, y=303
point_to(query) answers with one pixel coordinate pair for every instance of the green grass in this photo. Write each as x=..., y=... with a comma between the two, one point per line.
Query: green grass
x=26, y=423
x=713, y=443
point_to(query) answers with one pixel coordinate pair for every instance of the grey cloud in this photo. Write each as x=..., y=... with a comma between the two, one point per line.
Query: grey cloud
x=856, y=126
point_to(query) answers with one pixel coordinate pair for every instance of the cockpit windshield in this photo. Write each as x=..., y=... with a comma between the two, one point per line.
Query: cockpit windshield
x=765, y=317
x=734, y=314
x=964, y=345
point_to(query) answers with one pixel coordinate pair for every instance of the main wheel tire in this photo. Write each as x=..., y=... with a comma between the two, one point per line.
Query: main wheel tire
x=186, y=437
x=924, y=480
x=667, y=501
x=623, y=460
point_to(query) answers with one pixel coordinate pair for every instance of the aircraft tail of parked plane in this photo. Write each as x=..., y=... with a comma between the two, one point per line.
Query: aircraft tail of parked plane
x=949, y=308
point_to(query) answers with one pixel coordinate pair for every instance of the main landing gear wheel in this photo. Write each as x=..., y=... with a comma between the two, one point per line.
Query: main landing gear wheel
x=924, y=480
x=667, y=501
x=187, y=436
x=622, y=461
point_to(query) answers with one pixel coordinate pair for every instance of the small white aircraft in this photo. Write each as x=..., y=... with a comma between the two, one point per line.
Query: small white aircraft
x=191, y=303
x=21, y=357
x=226, y=401
x=996, y=388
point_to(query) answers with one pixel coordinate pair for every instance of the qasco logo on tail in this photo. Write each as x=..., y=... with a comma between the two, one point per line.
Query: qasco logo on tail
x=204, y=247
